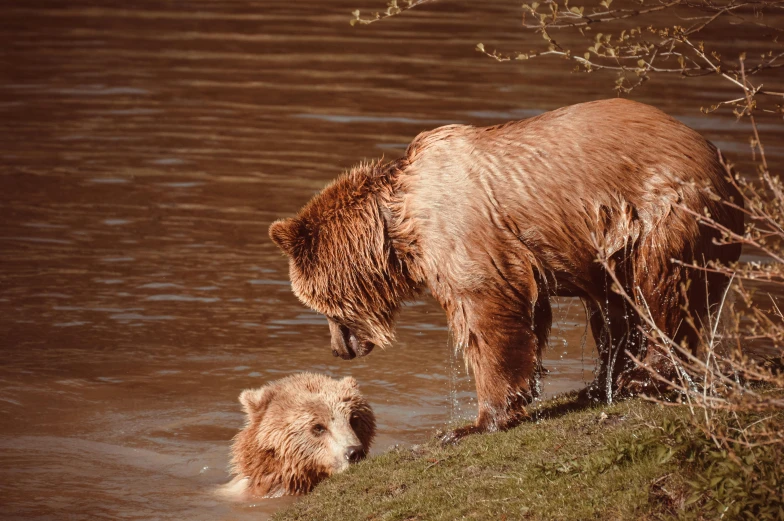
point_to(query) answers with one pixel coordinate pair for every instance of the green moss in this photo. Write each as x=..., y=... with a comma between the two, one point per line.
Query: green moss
x=630, y=460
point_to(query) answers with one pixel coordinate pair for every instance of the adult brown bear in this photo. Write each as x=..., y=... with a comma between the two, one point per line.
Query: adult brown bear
x=496, y=220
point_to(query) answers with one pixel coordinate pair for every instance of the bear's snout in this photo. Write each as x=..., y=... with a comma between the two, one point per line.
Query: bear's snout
x=355, y=453
x=345, y=343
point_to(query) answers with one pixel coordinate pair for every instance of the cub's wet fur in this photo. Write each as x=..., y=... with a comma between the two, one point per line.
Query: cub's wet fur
x=299, y=430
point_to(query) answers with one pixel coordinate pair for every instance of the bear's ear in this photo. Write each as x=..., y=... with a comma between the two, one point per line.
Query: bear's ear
x=286, y=233
x=255, y=401
x=349, y=383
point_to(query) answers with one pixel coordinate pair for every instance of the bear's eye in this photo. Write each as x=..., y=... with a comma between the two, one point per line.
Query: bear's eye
x=319, y=429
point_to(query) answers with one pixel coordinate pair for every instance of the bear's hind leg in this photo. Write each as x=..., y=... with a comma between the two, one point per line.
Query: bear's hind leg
x=616, y=329
x=697, y=292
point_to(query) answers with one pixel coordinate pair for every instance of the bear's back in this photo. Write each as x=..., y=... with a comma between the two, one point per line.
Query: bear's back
x=547, y=180
x=598, y=147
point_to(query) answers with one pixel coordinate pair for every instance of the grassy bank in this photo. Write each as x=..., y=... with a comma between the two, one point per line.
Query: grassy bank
x=630, y=460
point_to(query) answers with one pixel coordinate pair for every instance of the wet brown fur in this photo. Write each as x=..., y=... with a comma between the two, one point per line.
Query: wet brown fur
x=276, y=450
x=345, y=226
x=496, y=220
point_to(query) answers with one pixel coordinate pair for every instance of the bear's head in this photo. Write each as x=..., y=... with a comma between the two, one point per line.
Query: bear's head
x=342, y=262
x=300, y=430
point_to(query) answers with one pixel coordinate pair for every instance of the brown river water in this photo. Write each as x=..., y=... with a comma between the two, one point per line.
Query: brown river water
x=146, y=147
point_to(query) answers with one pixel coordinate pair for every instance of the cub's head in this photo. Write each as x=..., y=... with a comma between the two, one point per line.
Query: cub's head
x=342, y=262
x=300, y=430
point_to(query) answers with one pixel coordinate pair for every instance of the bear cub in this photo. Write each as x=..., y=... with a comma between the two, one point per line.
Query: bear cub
x=299, y=430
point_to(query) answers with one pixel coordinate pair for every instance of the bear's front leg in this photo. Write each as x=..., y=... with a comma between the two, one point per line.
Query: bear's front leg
x=503, y=350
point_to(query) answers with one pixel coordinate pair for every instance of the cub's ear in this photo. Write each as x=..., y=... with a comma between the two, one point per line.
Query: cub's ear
x=349, y=383
x=286, y=233
x=255, y=401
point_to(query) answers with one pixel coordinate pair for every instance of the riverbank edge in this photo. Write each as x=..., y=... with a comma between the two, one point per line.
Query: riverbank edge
x=571, y=461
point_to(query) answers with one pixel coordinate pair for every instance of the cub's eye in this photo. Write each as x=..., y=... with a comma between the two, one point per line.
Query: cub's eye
x=354, y=421
x=318, y=429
